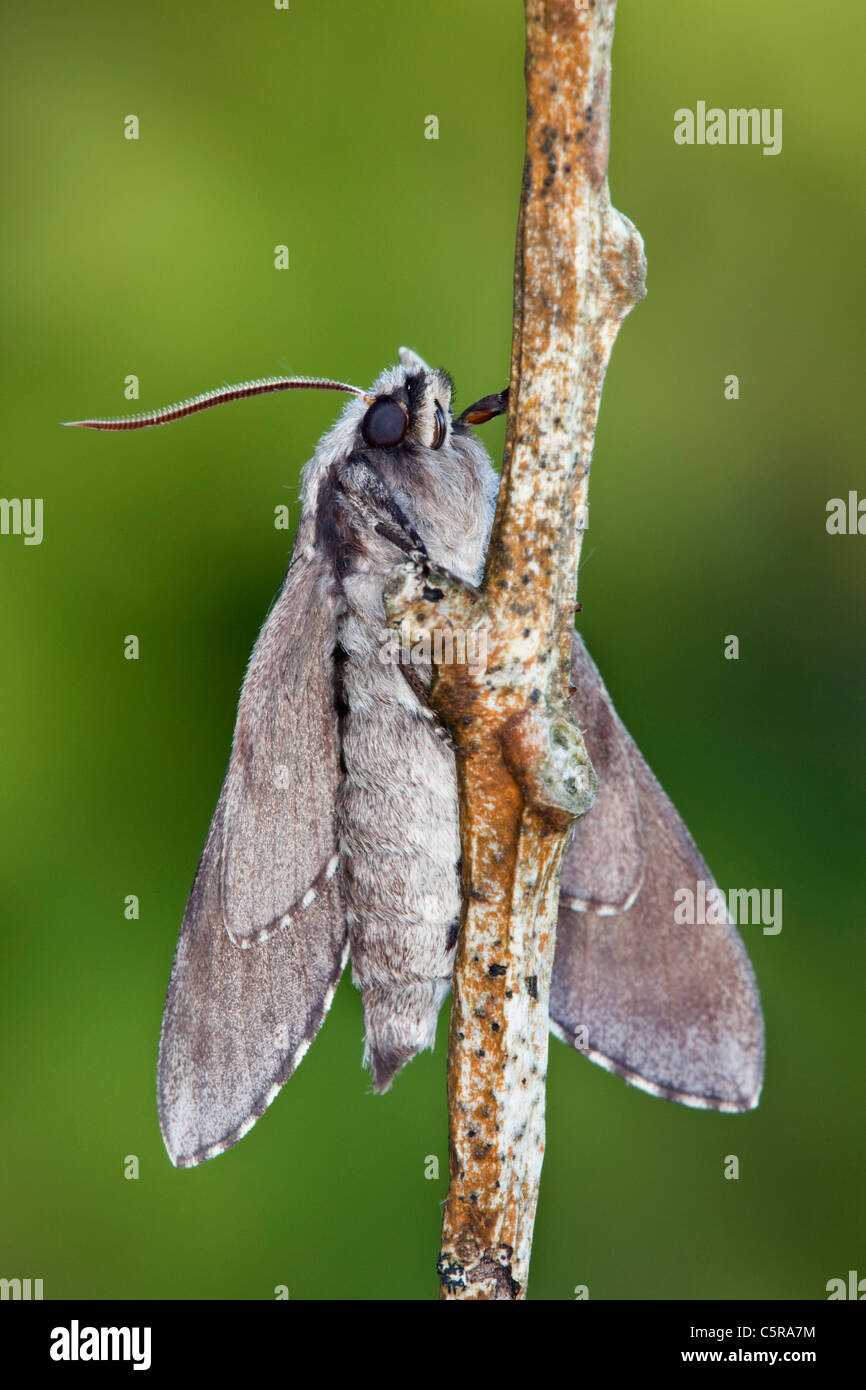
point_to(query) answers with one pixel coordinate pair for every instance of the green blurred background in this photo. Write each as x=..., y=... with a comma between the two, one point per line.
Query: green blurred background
x=155, y=257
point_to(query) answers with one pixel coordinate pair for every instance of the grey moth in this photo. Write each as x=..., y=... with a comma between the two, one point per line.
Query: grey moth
x=336, y=835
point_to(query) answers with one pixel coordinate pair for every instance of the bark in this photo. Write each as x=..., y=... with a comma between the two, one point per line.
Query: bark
x=523, y=770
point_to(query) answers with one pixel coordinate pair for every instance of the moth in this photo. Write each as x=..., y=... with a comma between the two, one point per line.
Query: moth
x=336, y=832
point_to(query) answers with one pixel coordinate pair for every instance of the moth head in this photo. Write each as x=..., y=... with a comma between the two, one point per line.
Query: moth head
x=409, y=403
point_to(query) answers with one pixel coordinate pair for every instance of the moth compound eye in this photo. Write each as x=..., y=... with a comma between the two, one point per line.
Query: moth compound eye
x=385, y=424
x=440, y=428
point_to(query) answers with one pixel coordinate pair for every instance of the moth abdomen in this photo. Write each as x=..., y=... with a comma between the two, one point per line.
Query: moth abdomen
x=399, y=1023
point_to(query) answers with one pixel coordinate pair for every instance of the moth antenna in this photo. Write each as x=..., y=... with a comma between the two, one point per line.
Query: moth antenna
x=220, y=396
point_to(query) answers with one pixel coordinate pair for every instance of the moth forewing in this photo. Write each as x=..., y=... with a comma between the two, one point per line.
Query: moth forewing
x=238, y=1021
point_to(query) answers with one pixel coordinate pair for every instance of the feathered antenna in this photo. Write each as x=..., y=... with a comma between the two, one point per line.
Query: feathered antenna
x=220, y=396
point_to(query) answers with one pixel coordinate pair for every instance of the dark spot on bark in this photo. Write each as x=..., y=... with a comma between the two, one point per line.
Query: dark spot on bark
x=494, y=1027
x=495, y=970
x=532, y=986
x=587, y=115
x=509, y=994
x=535, y=696
x=450, y=1273
x=432, y=595
x=481, y=1052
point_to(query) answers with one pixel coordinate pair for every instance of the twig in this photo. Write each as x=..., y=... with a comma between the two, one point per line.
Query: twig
x=523, y=770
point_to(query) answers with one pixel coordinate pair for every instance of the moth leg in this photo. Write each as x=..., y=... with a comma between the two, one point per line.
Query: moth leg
x=360, y=480
x=421, y=693
x=433, y=570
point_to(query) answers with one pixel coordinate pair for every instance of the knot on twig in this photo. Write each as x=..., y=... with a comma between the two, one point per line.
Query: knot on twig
x=423, y=594
x=624, y=259
x=487, y=1270
x=442, y=620
x=546, y=755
